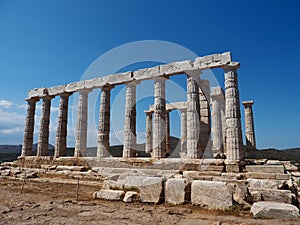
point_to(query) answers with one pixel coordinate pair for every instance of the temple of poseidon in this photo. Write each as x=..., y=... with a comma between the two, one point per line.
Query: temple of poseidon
x=212, y=169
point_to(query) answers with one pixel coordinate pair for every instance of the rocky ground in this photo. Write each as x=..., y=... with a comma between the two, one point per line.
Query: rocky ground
x=53, y=201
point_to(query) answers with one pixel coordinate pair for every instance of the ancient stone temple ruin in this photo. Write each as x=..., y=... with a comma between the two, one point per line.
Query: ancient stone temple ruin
x=195, y=113
x=212, y=169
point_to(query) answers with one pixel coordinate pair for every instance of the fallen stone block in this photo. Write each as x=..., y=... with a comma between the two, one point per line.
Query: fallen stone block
x=152, y=190
x=111, y=184
x=261, y=175
x=115, y=195
x=274, y=210
x=264, y=184
x=272, y=195
x=131, y=196
x=71, y=168
x=211, y=194
x=177, y=191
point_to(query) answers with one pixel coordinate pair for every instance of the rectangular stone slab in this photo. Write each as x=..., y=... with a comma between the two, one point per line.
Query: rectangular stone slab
x=265, y=168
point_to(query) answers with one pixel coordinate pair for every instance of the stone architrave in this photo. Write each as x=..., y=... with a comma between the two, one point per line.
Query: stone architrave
x=168, y=138
x=43, y=141
x=104, y=123
x=62, y=123
x=148, y=147
x=217, y=102
x=29, y=127
x=129, y=146
x=234, y=143
x=193, y=116
x=159, y=123
x=249, y=125
x=183, y=128
x=82, y=124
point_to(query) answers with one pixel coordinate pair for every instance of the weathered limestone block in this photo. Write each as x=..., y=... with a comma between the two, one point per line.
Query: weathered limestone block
x=176, y=67
x=177, y=191
x=57, y=90
x=264, y=184
x=118, y=78
x=240, y=192
x=151, y=188
x=265, y=168
x=131, y=196
x=147, y=73
x=212, y=61
x=211, y=194
x=71, y=168
x=111, y=184
x=272, y=195
x=115, y=195
x=274, y=210
x=37, y=92
x=198, y=175
x=75, y=86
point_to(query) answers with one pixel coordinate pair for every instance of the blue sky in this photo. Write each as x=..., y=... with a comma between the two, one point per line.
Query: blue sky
x=47, y=43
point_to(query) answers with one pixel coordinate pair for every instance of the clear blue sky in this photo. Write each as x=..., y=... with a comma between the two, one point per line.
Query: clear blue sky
x=47, y=43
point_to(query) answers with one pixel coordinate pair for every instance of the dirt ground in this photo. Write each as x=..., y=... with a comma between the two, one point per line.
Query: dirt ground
x=55, y=203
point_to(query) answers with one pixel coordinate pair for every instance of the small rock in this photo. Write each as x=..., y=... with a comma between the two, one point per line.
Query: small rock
x=131, y=196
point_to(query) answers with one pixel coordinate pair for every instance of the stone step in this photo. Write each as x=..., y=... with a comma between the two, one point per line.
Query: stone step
x=265, y=168
x=276, y=176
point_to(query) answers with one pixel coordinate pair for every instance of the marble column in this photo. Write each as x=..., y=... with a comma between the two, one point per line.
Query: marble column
x=249, y=125
x=217, y=99
x=168, y=140
x=205, y=116
x=43, y=141
x=29, y=127
x=62, y=123
x=159, y=123
x=129, y=146
x=193, y=117
x=234, y=144
x=148, y=147
x=82, y=124
x=104, y=123
x=183, y=128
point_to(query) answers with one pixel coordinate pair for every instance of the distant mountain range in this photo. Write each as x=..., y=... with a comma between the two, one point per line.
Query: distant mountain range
x=11, y=152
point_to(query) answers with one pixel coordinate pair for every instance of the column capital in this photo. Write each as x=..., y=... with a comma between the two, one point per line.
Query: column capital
x=148, y=112
x=132, y=83
x=231, y=66
x=84, y=91
x=32, y=100
x=248, y=103
x=107, y=87
x=65, y=94
x=193, y=73
x=47, y=97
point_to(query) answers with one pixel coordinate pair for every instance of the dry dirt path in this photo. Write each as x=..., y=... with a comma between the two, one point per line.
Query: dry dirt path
x=55, y=203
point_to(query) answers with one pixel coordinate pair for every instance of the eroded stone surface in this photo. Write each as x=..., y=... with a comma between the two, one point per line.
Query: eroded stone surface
x=177, y=191
x=274, y=210
x=211, y=194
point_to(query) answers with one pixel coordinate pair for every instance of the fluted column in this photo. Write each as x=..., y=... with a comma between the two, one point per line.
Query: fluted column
x=82, y=124
x=193, y=117
x=249, y=125
x=62, y=123
x=104, y=123
x=148, y=147
x=29, y=127
x=129, y=146
x=234, y=151
x=43, y=141
x=159, y=123
x=168, y=138
x=205, y=116
x=217, y=97
x=183, y=131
